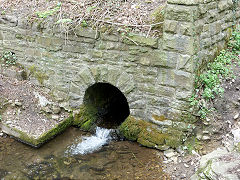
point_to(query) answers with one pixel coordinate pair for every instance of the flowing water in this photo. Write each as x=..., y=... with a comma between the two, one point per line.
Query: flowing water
x=79, y=155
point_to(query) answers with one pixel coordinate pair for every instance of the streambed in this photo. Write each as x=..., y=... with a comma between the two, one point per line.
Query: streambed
x=116, y=160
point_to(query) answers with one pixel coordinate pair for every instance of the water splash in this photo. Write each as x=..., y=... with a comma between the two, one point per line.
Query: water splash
x=91, y=143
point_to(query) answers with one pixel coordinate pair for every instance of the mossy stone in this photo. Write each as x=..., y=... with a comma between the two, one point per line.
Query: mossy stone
x=130, y=128
x=46, y=136
x=86, y=118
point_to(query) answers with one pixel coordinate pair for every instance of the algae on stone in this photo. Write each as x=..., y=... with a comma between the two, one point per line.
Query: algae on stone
x=148, y=134
x=86, y=118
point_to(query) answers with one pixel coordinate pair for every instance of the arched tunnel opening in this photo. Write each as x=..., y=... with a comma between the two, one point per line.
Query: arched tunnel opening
x=109, y=103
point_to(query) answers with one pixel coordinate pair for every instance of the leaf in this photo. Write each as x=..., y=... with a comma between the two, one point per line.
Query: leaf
x=89, y=9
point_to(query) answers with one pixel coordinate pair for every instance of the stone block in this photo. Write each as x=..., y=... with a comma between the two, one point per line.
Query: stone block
x=139, y=104
x=185, y=63
x=1, y=36
x=86, y=76
x=166, y=77
x=182, y=94
x=86, y=32
x=109, y=37
x=139, y=40
x=225, y=4
x=184, y=80
x=97, y=54
x=123, y=80
x=113, y=75
x=202, y=8
x=165, y=91
x=170, y=26
x=178, y=43
x=186, y=28
x=181, y=13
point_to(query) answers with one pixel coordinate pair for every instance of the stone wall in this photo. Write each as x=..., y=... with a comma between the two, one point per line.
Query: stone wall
x=155, y=74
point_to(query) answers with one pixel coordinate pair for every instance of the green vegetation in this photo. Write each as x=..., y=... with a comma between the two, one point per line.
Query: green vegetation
x=8, y=58
x=40, y=76
x=208, y=83
x=50, y=12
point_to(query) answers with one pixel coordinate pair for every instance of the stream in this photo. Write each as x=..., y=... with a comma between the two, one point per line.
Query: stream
x=79, y=155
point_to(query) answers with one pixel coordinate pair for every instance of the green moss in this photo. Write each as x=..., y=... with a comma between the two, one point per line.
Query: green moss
x=131, y=128
x=150, y=135
x=40, y=76
x=159, y=118
x=86, y=118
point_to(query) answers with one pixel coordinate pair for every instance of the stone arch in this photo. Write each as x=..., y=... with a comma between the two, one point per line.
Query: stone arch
x=88, y=76
x=106, y=104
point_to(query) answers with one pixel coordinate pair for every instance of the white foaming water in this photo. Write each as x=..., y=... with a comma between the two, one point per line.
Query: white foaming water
x=91, y=143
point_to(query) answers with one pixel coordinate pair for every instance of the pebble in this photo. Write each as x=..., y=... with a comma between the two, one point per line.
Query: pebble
x=1, y=134
x=55, y=117
x=17, y=103
x=236, y=116
x=183, y=176
x=8, y=122
x=169, y=153
x=174, y=159
x=187, y=166
x=56, y=109
x=205, y=137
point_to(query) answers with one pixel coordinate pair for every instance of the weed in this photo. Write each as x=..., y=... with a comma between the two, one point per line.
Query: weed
x=208, y=84
x=50, y=12
x=8, y=58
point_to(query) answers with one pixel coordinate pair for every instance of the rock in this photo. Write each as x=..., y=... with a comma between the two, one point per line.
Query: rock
x=55, y=117
x=17, y=103
x=205, y=137
x=8, y=122
x=236, y=116
x=186, y=165
x=46, y=109
x=219, y=163
x=169, y=153
x=236, y=135
x=42, y=100
x=1, y=134
x=56, y=109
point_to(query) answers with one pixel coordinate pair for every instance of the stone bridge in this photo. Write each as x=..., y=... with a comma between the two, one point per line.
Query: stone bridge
x=155, y=75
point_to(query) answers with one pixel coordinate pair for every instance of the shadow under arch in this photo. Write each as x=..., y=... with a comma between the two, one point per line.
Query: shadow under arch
x=109, y=104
